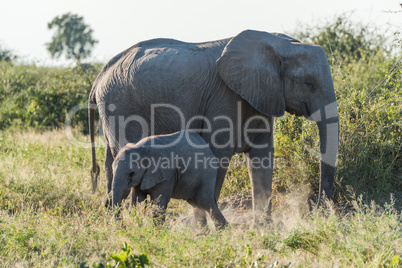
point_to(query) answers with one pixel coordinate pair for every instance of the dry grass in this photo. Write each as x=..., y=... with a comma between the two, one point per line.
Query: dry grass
x=49, y=218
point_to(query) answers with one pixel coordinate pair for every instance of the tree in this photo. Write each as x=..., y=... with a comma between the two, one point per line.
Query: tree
x=6, y=55
x=73, y=37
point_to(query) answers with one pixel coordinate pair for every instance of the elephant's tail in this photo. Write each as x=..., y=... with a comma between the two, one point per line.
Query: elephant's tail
x=95, y=167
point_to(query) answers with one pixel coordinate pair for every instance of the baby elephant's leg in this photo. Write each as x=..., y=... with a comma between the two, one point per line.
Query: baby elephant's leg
x=209, y=205
x=137, y=196
x=160, y=202
x=200, y=217
x=217, y=216
x=207, y=201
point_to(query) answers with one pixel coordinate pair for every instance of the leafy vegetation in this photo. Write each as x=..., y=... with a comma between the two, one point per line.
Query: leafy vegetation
x=124, y=259
x=49, y=217
x=41, y=97
x=344, y=40
x=368, y=87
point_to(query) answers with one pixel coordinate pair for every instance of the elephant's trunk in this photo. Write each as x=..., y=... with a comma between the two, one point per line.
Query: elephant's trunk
x=117, y=193
x=117, y=197
x=329, y=140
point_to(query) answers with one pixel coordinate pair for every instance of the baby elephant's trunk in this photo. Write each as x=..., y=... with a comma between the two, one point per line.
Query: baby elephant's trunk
x=117, y=193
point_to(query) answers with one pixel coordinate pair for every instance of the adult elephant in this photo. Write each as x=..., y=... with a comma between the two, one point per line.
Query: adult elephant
x=228, y=90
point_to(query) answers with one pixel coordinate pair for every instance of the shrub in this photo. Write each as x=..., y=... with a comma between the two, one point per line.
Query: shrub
x=368, y=88
x=40, y=97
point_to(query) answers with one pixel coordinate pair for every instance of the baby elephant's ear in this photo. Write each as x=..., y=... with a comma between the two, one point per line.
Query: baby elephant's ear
x=154, y=176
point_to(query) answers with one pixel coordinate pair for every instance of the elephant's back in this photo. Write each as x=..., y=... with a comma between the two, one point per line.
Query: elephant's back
x=161, y=66
x=157, y=66
x=162, y=82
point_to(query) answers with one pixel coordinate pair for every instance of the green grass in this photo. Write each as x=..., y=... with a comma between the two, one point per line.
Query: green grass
x=50, y=218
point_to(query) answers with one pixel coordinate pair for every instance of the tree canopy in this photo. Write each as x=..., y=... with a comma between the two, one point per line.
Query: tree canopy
x=73, y=38
x=5, y=54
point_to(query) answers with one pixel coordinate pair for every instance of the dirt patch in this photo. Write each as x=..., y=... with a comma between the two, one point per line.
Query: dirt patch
x=237, y=209
x=237, y=202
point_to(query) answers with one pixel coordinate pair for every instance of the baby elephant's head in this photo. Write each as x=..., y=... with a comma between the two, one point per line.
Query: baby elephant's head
x=127, y=171
x=136, y=165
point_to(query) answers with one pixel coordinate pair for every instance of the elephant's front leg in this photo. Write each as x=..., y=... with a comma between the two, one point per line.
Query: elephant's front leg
x=160, y=198
x=137, y=197
x=217, y=217
x=159, y=213
x=260, y=164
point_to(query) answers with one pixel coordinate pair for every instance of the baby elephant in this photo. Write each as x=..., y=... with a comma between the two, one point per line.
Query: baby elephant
x=179, y=165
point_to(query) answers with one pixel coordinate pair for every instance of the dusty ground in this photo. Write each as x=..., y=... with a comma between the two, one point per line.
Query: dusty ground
x=238, y=202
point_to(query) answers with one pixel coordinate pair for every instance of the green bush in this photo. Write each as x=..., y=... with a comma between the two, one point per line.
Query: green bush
x=368, y=88
x=125, y=259
x=343, y=40
x=40, y=97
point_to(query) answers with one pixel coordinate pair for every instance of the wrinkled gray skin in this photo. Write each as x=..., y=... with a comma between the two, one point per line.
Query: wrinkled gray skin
x=189, y=177
x=265, y=74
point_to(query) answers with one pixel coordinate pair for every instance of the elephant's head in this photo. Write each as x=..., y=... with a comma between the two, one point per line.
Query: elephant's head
x=135, y=166
x=276, y=73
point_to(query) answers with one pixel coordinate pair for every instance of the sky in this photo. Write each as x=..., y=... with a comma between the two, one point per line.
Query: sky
x=120, y=24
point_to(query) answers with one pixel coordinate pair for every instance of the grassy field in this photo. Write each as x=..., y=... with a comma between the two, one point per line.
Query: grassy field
x=50, y=218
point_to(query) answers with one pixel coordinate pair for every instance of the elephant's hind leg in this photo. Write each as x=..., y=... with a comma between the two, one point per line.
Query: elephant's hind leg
x=217, y=217
x=200, y=217
x=211, y=207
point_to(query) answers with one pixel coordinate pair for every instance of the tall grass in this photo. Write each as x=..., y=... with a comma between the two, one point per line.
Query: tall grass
x=50, y=218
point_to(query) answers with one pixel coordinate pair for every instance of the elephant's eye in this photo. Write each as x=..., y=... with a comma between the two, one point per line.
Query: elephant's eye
x=310, y=85
x=130, y=177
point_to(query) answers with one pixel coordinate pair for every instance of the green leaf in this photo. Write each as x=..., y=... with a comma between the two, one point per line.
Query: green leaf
x=395, y=260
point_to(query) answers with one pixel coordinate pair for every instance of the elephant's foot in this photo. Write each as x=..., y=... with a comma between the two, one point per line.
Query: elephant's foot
x=108, y=202
x=203, y=231
x=221, y=225
x=261, y=220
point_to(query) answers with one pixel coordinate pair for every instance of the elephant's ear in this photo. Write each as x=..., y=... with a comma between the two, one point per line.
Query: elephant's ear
x=155, y=175
x=251, y=66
